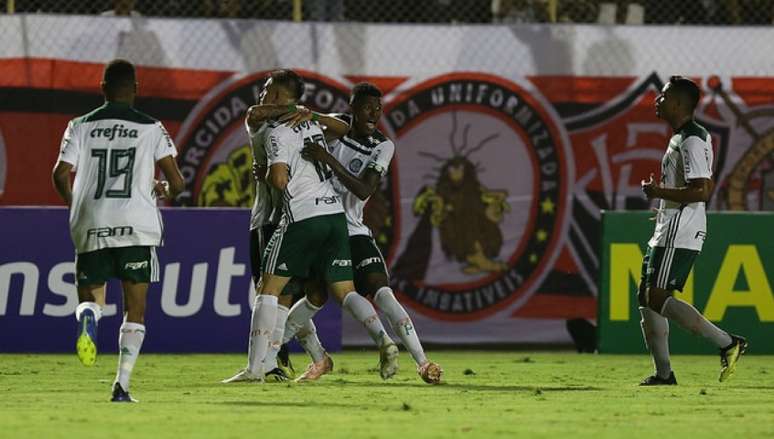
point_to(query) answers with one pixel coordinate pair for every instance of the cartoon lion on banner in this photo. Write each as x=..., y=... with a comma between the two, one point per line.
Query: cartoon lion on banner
x=229, y=183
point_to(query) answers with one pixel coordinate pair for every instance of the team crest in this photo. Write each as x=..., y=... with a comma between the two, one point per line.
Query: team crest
x=480, y=203
x=215, y=157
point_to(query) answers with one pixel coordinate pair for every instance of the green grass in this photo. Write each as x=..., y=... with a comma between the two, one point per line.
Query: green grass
x=502, y=395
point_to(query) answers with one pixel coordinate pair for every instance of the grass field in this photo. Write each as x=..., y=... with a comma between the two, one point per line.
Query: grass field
x=485, y=394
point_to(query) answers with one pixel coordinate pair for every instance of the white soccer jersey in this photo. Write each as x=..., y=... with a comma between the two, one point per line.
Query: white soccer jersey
x=266, y=197
x=374, y=153
x=309, y=192
x=114, y=150
x=688, y=156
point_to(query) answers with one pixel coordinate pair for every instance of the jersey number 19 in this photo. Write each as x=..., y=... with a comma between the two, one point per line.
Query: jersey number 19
x=323, y=171
x=115, y=169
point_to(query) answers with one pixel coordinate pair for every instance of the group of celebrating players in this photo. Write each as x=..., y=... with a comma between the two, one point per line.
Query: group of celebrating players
x=314, y=174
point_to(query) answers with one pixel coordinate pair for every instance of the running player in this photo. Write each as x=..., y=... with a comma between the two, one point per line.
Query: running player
x=360, y=160
x=115, y=224
x=264, y=218
x=312, y=236
x=681, y=227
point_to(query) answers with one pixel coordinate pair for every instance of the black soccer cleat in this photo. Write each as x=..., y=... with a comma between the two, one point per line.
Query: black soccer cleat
x=121, y=395
x=655, y=380
x=730, y=355
x=283, y=357
x=276, y=375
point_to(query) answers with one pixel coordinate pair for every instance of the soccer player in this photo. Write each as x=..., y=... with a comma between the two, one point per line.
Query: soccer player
x=264, y=218
x=115, y=224
x=312, y=239
x=681, y=227
x=360, y=160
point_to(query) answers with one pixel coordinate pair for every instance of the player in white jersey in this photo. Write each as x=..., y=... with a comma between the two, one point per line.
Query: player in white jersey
x=360, y=160
x=681, y=228
x=264, y=218
x=115, y=224
x=311, y=240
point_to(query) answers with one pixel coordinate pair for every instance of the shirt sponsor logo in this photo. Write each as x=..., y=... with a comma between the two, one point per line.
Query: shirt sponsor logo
x=136, y=265
x=117, y=130
x=326, y=200
x=108, y=232
x=341, y=263
x=368, y=261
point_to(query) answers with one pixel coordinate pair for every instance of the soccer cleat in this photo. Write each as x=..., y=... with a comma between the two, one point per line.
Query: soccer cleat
x=276, y=375
x=430, y=372
x=86, y=344
x=655, y=380
x=121, y=395
x=316, y=370
x=388, y=360
x=730, y=355
x=243, y=375
x=284, y=363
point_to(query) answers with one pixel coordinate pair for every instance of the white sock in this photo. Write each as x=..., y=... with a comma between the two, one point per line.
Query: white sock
x=655, y=330
x=690, y=319
x=401, y=323
x=307, y=338
x=270, y=362
x=130, y=339
x=362, y=310
x=300, y=313
x=253, y=362
x=261, y=332
x=93, y=306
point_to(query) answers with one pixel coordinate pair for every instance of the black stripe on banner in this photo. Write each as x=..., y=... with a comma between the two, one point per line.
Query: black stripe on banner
x=36, y=100
x=355, y=147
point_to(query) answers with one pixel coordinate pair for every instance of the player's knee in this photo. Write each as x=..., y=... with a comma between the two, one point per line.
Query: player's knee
x=317, y=297
x=373, y=283
x=656, y=298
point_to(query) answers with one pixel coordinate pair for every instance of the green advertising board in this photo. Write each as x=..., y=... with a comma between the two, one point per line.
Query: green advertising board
x=731, y=282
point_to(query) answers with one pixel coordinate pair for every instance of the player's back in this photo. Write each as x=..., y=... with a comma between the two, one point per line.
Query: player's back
x=309, y=192
x=114, y=150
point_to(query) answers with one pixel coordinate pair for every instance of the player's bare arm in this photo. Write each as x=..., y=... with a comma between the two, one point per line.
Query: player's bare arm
x=61, y=179
x=258, y=114
x=697, y=190
x=174, y=184
x=363, y=187
x=278, y=176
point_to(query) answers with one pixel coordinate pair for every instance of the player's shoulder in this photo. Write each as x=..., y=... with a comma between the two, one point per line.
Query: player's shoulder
x=378, y=139
x=693, y=130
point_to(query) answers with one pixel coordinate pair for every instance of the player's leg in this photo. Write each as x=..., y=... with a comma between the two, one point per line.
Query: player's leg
x=655, y=328
x=676, y=265
x=372, y=279
x=257, y=245
x=273, y=371
x=301, y=325
x=338, y=273
x=137, y=267
x=92, y=269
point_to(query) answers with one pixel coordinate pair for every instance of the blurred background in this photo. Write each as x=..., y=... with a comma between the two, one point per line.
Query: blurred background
x=534, y=117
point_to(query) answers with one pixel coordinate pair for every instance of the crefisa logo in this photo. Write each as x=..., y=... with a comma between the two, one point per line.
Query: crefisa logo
x=481, y=204
x=215, y=157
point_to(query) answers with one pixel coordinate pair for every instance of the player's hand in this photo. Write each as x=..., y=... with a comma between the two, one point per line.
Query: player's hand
x=296, y=118
x=254, y=118
x=161, y=189
x=650, y=187
x=259, y=172
x=315, y=152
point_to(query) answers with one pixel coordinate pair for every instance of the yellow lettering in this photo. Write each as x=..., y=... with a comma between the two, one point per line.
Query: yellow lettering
x=625, y=265
x=759, y=295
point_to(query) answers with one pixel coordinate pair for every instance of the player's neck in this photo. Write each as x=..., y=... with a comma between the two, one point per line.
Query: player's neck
x=121, y=101
x=681, y=121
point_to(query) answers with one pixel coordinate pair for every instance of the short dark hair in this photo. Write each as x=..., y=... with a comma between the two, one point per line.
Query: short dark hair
x=364, y=89
x=119, y=73
x=686, y=89
x=289, y=80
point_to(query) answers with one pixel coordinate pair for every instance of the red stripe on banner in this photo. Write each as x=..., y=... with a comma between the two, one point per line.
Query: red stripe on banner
x=556, y=306
x=81, y=76
x=581, y=89
x=754, y=91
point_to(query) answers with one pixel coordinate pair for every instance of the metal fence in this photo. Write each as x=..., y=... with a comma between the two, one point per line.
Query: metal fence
x=689, y=12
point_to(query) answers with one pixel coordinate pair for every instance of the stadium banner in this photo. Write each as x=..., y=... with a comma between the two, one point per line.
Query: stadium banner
x=730, y=284
x=201, y=304
x=509, y=140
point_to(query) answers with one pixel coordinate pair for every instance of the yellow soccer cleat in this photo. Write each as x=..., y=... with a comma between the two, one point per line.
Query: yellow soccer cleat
x=86, y=344
x=730, y=355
